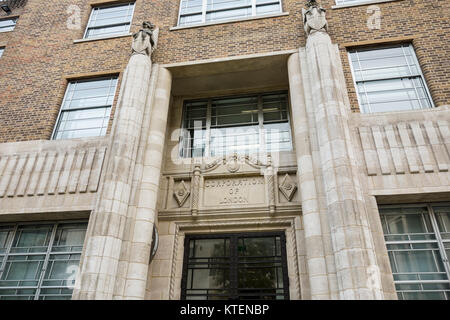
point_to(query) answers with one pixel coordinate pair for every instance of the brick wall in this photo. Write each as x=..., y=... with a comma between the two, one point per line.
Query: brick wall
x=41, y=55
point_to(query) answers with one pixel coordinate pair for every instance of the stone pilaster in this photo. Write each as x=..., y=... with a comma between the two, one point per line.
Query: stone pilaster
x=313, y=233
x=328, y=108
x=99, y=263
x=147, y=193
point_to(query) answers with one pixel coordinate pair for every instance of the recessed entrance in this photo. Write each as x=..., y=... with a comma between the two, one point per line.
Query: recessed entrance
x=235, y=266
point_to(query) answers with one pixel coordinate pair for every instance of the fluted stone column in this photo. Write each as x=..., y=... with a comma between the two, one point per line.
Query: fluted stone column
x=314, y=246
x=346, y=208
x=99, y=263
x=331, y=155
x=142, y=233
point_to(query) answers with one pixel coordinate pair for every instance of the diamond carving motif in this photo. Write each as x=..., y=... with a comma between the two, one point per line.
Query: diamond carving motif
x=181, y=193
x=288, y=187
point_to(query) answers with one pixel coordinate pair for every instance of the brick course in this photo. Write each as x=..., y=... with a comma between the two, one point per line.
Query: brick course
x=41, y=55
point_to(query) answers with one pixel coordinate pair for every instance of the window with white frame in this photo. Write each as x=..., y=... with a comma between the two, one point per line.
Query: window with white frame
x=389, y=78
x=7, y=24
x=418, y=244
x=86, y=108
x=1, y=51
x=39, y=261
x=203, y=11
x=110, y=20
x=242, y=124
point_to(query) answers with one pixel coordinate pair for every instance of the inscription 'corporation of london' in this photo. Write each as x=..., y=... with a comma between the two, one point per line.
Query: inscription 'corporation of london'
x=238, y=191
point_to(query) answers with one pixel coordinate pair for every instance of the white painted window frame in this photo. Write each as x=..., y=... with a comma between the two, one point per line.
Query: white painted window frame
x=419, y=74
x=261, y=132
x=48, y=253
x=61, y=110
x=108, y=6
x=204, y=11
x=439, y=240
x=13, y=24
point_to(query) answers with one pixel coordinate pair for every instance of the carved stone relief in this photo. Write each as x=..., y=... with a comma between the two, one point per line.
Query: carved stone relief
x=288, y=187
x=181, y=193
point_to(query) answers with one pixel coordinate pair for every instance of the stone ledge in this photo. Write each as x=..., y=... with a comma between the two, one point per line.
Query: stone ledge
x=102, y=38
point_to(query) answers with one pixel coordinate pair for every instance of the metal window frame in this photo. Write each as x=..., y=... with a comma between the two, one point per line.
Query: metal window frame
x=204, y=11
x=109, y=25
x=438, y=240
x=61, y=109
x=14, y=22
x=418, y=75
x=262, y=133
x=47, y=253
x=234, y=258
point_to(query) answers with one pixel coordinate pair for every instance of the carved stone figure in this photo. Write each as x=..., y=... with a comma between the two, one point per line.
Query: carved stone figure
x=314, y=18
x=144, y=41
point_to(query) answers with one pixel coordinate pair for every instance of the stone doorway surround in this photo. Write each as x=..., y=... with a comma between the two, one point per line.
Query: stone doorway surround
x=296, y=273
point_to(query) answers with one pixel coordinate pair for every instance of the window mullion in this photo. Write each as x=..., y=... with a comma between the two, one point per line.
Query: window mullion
x=234, y=267
x=208, y=130
x=45, y=264
x=441, y=247
x=204, y=6
x=262, y=133
x=8, y=249
x=253, y=7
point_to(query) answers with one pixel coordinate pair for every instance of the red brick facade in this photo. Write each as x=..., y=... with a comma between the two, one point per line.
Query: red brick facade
x=41, y=56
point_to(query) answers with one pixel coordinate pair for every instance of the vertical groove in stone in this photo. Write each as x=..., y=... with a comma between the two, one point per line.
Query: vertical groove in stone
x=381, y=151
x=56, y=172
x=369, y=152
x=65, y=173
x=75, y=172
x=424, y=154
x=94, y=178
x=7, y=173
x=438, y=148
x=16, y=175
x=21, y=188
x=43, y=181
x=445, y=133
x=86, y=171
x=34, y=179
x=408, y=147
x=394, y=147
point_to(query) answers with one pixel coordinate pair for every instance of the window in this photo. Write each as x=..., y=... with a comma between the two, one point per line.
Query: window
x=418, y=243
x=110, y=20
x=242, y=124
x=235, y=266
x=202, y=11
x=40, y=261
x=1, y=51
x=86, y=108
x=389, y=79
x=7, y=24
